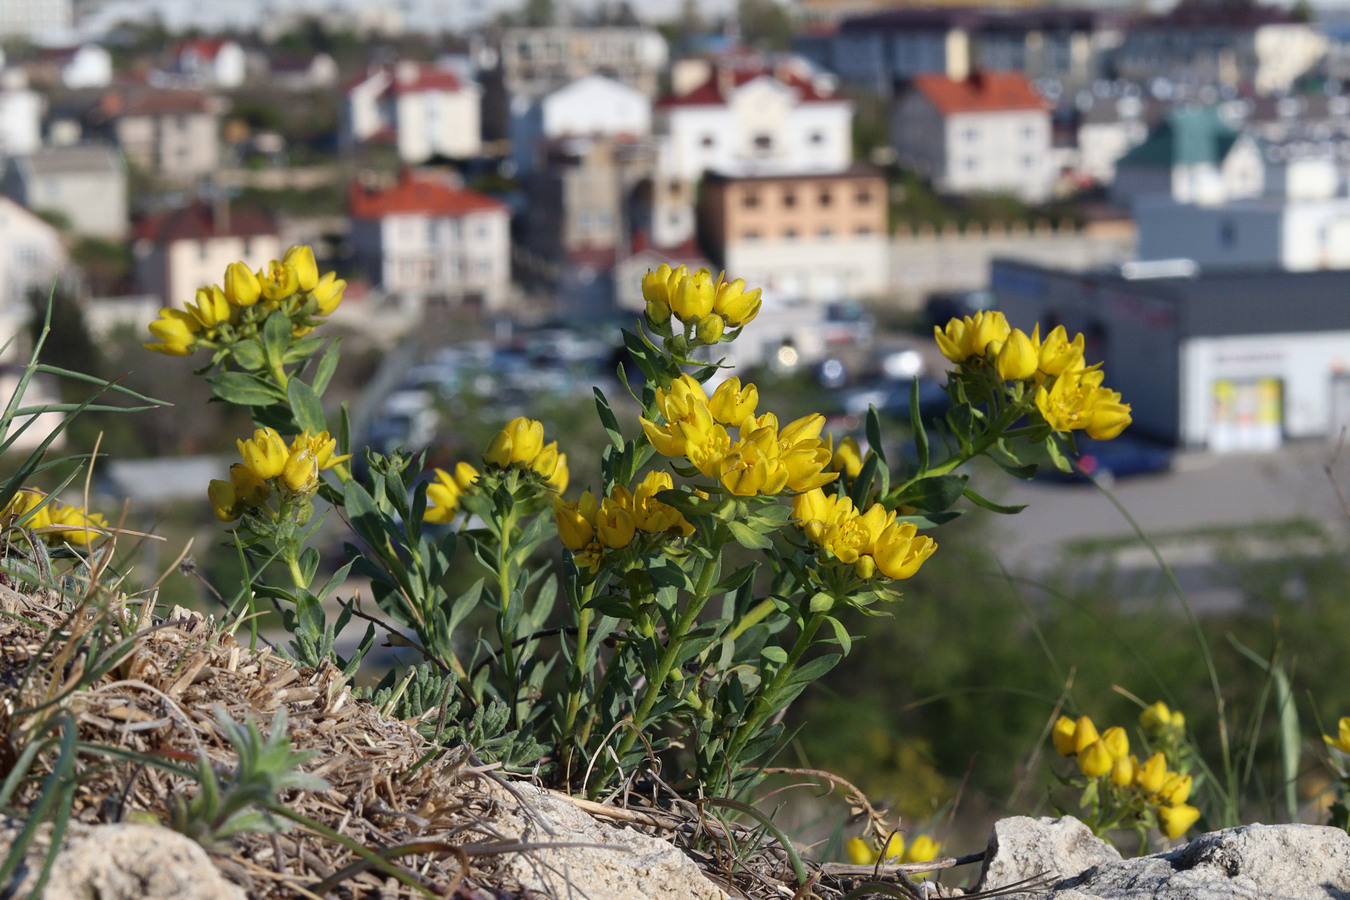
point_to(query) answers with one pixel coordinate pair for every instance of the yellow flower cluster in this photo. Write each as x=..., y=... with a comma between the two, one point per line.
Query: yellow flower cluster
x=920, y=850
x=764, y=459
x=269, y=462
x=56, y=523
x=1069, y=393
x=589, y=528
x=1108, y=754
x=446, y=489
x=871, y=542
x=1342, y=741
x=291, y=284
x=521, y=445
x=706, y=308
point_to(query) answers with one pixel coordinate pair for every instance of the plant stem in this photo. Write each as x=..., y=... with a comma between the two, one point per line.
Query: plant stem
x=1011, y=413
x=577, y=680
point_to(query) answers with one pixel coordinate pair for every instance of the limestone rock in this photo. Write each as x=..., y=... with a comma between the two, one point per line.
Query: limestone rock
x=614, y=863
x=1048, y=850
x=120, y=862
x=1291, y=862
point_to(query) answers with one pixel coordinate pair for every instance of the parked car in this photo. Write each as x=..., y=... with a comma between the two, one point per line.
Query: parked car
x=1106, y=461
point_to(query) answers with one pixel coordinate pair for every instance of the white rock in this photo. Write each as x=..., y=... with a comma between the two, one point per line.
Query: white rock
x=120, y=862
x=1048, y=850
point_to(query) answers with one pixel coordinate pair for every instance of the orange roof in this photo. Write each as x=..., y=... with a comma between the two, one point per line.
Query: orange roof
x=417, y=195
x=981, y=92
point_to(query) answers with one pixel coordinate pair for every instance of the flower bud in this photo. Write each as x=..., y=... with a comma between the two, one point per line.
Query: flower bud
x=328, y=293
x=242, y=287
x=1176, y=820
x=266, y=454
x=1017, y=359
x=1095, y=760
x=224, y=503
x=301, y=260
x=301, y=473
x=709, y=330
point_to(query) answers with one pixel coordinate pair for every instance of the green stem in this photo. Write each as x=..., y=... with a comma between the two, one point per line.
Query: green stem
x=999, y=429
x=508, y=522
x=293, y=563
x=577, y=679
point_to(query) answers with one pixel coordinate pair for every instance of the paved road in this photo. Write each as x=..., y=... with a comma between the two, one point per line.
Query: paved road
x=1204, y=490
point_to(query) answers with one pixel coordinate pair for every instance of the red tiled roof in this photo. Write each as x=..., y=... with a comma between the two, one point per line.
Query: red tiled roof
x=406, y=78
x=982, y=92
x=711, y=92
x=196, y=222
x=418, y=195
x=154, y=103
x=204, y=48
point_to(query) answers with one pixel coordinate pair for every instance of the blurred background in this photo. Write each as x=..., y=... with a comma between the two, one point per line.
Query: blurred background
x=492, y=178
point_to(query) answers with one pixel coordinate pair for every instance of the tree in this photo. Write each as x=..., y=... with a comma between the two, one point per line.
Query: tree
x=765, y=24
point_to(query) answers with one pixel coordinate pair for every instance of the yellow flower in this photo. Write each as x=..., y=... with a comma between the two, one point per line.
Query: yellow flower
x=860, y=852
x=443, y=493
x=731, y=404
x=265, y=454
x=21, y=504
x=242, y=287
x=1095, y=759
x=328, y=293
x=224, y=502
x=211, y=307
x=657, y=289
x=1176, y=820
x=922, y=849
x=1063, y=736
x=1057, y=355
x=1342, y=741
x=1017, y=359
x=1155, y=718
x=691, y=298
x=301, y=473
x=653, y=516
x=300, y=259
x=735, y=304
x=80, y=527
x=987, y=330
x=709, y=330
x=1109, y=417
x=575, y=529
x=614, y=525
x=952, y=341
x=517, y=444
x=322, y=445
x=847, y=457
x=278, y=281
x=1152, y=774
x=1077, y=400
x=561, y=476
x=176, y=331
x=1117, y=742
x=1084, y=735
x=249, y=490
x=547, y=460
x=1123, y=771
x=1176, y=789
x=900, y=551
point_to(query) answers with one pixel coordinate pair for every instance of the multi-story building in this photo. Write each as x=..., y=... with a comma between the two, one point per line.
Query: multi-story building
x=1246, y=46
x=176, y=252
x=741, y=117
x=883, y=51
x=817, y=237
x=64, y=179
x=592, y=106
x=989, y=132
x=430, y=241
x=31, y=255
x=1192, y=156
x=535, y=61
x=211, y=62
x=172, y=134
x=427, y=111
x=28, y=19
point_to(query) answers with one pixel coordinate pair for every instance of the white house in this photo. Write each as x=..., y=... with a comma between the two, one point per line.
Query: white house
x=588, y=107
x=986, y=133
x=90, y=66
x=1107, y=129
x=428, y=241
x=742, y=117
x=211, y=62
x=31, y=255
x=64, y=179
x=426, y=110
x=20, y=115
x=1194, y=157
x=178, y=251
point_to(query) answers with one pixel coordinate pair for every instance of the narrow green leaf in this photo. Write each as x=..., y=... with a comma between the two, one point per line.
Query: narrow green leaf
x=933, y=494
x=916, y=425
x=305, y=406
x=991, y=505
x=607, y=419
x=327, y=366
x=748, y=537
x=841, y=634
x=244, y=389
x=276, y=337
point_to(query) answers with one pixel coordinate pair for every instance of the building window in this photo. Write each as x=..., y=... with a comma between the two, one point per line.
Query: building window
x=789, y=197
x=817, y=137
x=826, y=198
x=971, y=135
x=789, y=234
x=971, y=164
x=763, y=142
x=1227, y=234
x=863, y=197
x=827, y=233
x=750, y=234
x=202, y=252
x=708, y=140
x=1028, y=161
x=862, y=231
x=750, y=200
x=1028, y=131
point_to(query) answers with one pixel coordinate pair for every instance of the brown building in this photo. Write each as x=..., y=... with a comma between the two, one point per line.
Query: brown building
x=172, y=134
x=810, y=236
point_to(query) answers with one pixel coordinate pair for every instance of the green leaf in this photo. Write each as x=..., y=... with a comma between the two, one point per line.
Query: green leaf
x=334, y=581
x=820, y=602
x=327, y=366
x=916, y=425
x=244, y=389
x=932, y=494
x=735, y=579
x=276, y=337
x=991, y=505
x=309, y=613
x=364, y=515
x=305, y=406
x=607, y=419
x=841, y=634
x=1024, y=472
x=309, y=564
x=1057, y=456
x=873, y=431
x=688, y=503
x=302, y=349
x=774, y=654
x=748, y=537
x=961, y=421
x=248, y=354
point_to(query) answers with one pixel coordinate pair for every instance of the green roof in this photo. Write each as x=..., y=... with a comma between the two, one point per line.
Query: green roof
x=1186, y=137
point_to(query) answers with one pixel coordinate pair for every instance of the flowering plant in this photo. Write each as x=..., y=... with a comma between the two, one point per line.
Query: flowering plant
x=666, y=651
